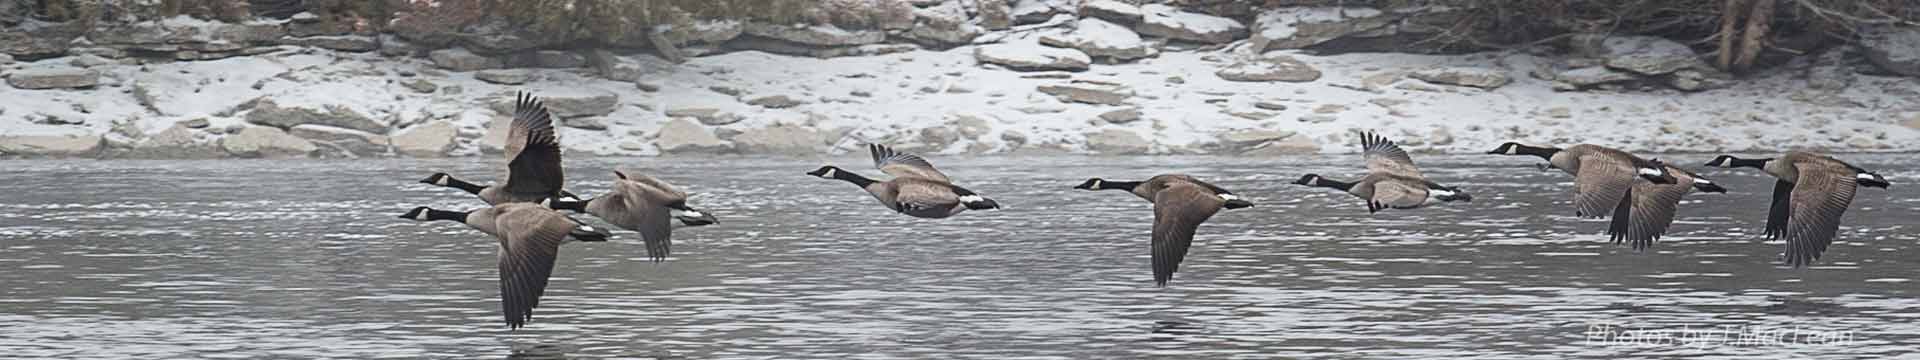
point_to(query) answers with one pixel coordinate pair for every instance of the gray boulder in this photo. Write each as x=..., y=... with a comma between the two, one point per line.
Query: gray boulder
x=1273, y=68
x=1118, y=142
x=266, y=142
x=1168, y=22
x=354, y=141
x=1090, y=93
x=578, y=102
x=433, y=139
x=459, y=59
x=555, y=59
x=944, y=24
x=1111, y=10
x=1121, y=115
x=821, y=35
x=347, y=43
x=781, y=139
x=178, y=142
x=1894, y=48
x=1300, y=27
x=50, y=145
x=53, y=78
x=267, y=112
x=1098, y=38
x=1589, y=77
x=1032, y=57
x=585, y=123
x=995, y=14
x=681, y=136
x=1645, y=55
x=1483, y=78
x=504, y=77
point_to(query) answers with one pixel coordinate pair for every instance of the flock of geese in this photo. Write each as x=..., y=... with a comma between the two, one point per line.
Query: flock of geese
x=1641, y=196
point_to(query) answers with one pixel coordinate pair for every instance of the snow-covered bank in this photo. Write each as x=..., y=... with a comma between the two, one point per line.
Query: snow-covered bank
x=936, y=101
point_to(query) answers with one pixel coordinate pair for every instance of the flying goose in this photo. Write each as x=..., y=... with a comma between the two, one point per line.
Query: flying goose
x=530, y=238
x=1653, y=206
x=1602, y=176
x=533, y=160
x=1810, y=193
x=1392, y=181
x=1180, y=204
x=645, y=205
x=917, y=189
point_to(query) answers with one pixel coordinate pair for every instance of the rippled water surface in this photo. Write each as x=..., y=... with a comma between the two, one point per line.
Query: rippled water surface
x=306, y=259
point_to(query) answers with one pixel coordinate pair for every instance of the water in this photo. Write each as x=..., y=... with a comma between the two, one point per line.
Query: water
x=306, y=259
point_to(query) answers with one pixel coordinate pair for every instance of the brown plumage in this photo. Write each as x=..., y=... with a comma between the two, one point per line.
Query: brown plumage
x=529, y=238
x=646, y=205
x=1180, y=204
x=533, y=170
x=1811, y=193
x=917, y=188
x=1392, y=181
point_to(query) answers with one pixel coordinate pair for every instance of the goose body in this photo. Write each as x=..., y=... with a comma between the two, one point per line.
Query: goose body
x=646, y=205
x=917, y=189
x=1392, y=181
x=1810, y=193
x=1653, y=207
x=533, y=160
x=1180, y=204
x=529, y=238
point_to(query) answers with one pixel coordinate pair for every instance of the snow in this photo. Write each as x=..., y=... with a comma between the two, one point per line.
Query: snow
x=1197, y=22
x=900, y=94
x=1282, y=23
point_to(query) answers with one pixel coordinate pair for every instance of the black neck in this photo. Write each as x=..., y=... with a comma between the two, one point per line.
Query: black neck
x=1542, y=152
x=455, y=216
x=1752, y=163
x=851, y=177
x=1329, y=183
x=1118, y=185
x=464, y=186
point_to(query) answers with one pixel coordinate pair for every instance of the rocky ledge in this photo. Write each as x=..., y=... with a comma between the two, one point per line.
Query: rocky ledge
x=981, y=77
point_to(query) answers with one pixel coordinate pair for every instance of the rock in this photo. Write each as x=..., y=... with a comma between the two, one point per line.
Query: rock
x=1912, y=123
x=433, y=139
x=1292, y=145
x=819, y=35
x=943, y=24
x=1032, y=11
x=196, y=123
x=994, y=14
x=6, y=59
x=1483, y=78
x=1013, y=138
x=1122, y=115
x=971, y=126
x=266, y=112
x=579, y=103
x=420, y=86
x=1589, y=77
x=1560, y=112
x=347, y=43
x=178, y=142
x=355, y=141
x=1318, y=119
x=1241, y=140
x=1118, y=142
x=1089, y=93
x=711, y=32
x=681, y=136
x=50, y=145
x=586, y=123
x=1284, y=69
x=88, y=61
x=459, y=59
x=1111, y=10
x=1270, y=105
x=1168, y=22
x=1830, y=71
x=39, y=39
x=555, y=59
x=1300, y=27
x=53, y=78
x=1032, y=57
x=938, y=137
x=1697, y=80
x=707, y=115
x=781, y=139
x=1102, y=39
x=504, y=77
x=1894, y=48
x=266, y=142
x=774, y=101
x=1645, y=55
x=1329, y=109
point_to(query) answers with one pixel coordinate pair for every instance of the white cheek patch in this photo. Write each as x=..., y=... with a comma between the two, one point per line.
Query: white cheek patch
x=1229, y=197
x=972, y=198
x=584, y=227
x=830, y=173
x=686, y=213
x=1440, y=192
x=1866, y=176
x=1649, y=172
x=1702, y=182
x=1096, y=184
x=442, y=182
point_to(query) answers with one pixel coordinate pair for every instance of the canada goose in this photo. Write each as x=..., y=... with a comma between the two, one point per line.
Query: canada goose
x=529, y=240
x=533, y=160
x=1810, y=193
x=917, y=189
x=645, y=205
x=1180, y=204
x=1653, y=206
x=1392, y=181
x=1602, y=176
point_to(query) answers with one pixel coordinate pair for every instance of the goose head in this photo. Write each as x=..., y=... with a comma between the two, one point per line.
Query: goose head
x=1869, y=179
x=690, y=216
x=417, y=214
x=827, y=172
x=1449, y=194
x=440, y=178
x=1705, y=185
x=429, y=214
x=1656, y=172
x=1309, y=180
x=1091, y=184
x=1729, y=161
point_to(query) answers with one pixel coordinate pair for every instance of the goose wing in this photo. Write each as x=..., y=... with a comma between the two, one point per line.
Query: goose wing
x=530, y=239
x=1779, y=208
x=533, y=151
x=1819, y=197
x=1600, y=185
x=1383, y=156
x=899, y=164
x=1652, y=210
x=635, y=203
x=1397, y=193
x=923, y=196
x=1178, y=211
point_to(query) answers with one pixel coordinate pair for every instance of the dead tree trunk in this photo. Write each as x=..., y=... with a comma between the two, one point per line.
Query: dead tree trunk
x=1729, y=27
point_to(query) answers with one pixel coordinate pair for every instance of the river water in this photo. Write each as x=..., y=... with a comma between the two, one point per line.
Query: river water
x=306, y=259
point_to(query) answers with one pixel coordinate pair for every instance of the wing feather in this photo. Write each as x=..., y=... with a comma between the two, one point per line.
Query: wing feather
x=529, y=244
x=533, y=150
x=1384, y=156
x=899, y=164
x=1601, y=184
x=1820, y=196
x=1178, y=211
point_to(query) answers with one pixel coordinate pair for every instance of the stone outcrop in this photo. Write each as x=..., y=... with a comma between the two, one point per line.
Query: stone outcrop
x=267, y=112
x=432, y=139
x=1644, y=55
x=459, y=59
x=349, y=140
x=681, y=136
x=1118, y=142
x=1271, y=68
x=1896, y=49
x=266, y=142
x=53, y=78
x=1101, y=39
x=1300, y=27
x=1090, y=93
x=50, y=145
x=1483, y=78
x=1032, y=57
x=1111, y=10
x=781, y=139
x=1169, y=22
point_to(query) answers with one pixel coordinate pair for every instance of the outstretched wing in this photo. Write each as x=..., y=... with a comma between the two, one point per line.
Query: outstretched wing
x=533, y=151
x=530, y=242
x=899, y=164
x=1601, y=184
x=1819, y=198
x=1178, y=211
x=1383, y=156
